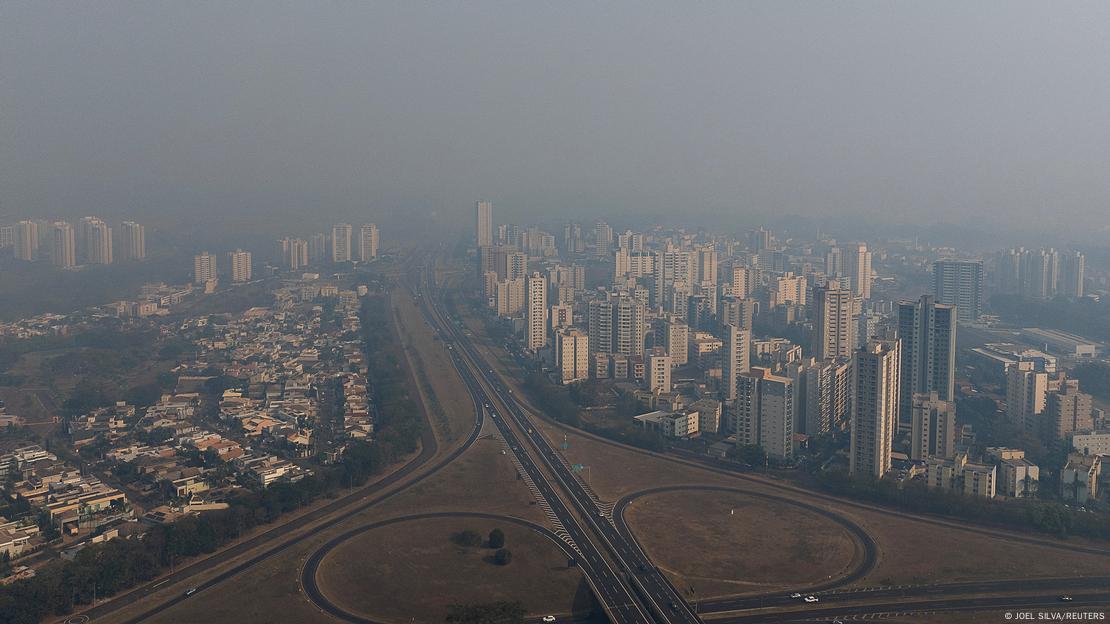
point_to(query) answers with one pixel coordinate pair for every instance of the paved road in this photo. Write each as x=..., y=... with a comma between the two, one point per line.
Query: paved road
x=1033, y=603
x=336, y=512
x=611, y=588
x=654, y=597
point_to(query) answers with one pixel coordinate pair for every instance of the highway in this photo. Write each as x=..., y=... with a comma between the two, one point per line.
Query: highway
x=1039, y=602
x=333, y=513
x=611, y=588
x=637, y=577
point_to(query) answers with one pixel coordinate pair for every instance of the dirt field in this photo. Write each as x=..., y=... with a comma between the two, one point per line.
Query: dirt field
x=728, y=544
x=433, y=370
x=396, y=573
x=916, y=552
x=482, y=479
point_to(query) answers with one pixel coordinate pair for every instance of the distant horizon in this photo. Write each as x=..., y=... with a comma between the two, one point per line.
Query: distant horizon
x=982, y=116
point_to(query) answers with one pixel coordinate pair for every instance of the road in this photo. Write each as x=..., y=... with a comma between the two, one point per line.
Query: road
x=332, y=514
x=632, y=555
x=868, y=550
x=637, y=591
x=311, y=567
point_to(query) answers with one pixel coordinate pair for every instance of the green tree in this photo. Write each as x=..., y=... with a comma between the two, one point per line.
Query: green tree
x=496, y=538
x=752, y=454
x=467, y=538
x=503, y=556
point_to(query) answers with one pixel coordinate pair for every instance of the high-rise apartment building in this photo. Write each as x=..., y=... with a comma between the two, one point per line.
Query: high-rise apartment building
x=341, y=242
x=94, y=241
x=536, y=307
x=367, y=242
x=7, y=236
x=603, y=239
x=706, y=265
x=824, y=395
x=934, y=427
x=294, y=253
x=572, y=355
x=858, y=264
x=133, y=237
x=64, y=247
x=737, y=311
x=100, y=243
x=959, y=283
x=1026, y=395
x=509, y=297
x=599, y=324
x=658, y=371
x=318, y=250
x=928, y=334
x=764, y=412
x=629, y=325
x=1068, y=411
x=833, y=322
x=853, y=262
x=483, y=224
x=27, y=240
x=677, y=338
x=204, y=268
x=240, y=262
x=875, y=387
x=1073, y=267
x=736, y=354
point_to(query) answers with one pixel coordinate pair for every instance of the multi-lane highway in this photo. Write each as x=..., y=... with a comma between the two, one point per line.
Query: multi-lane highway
x=650, y=593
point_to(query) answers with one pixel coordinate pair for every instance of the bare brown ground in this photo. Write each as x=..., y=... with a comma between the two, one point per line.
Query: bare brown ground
x=414, y=570
x=725, y=544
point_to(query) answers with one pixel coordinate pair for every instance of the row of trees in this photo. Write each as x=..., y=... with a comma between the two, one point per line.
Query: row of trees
x=1030, y=514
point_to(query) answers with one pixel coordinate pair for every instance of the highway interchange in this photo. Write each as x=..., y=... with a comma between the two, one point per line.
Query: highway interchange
x=625, y=582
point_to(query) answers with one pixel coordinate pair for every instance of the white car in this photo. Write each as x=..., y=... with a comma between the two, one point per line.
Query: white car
x=795, y=595
x=549, y=618
x=810, y=599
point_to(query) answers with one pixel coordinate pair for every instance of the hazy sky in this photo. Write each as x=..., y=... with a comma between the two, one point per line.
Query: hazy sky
x=913, y=111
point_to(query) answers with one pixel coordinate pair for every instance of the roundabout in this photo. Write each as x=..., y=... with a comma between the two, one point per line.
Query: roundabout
x=393, y=570
x=716, y=541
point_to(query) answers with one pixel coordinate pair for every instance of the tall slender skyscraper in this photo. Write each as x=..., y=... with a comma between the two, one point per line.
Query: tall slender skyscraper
x=960, y=283
x=204, y=267
x=98, y=241
x=875, y=372
x=858, y=264
x=341, y=242
x=928, y=334
x=240, y=265
x=134, y=241
x=27, y=240
x=294, y=252
x=1073, y=266
x=536, y=307
x=737, y=359
x=367, y=242
x=483, y=224
x=833, y=323
x=64, y=249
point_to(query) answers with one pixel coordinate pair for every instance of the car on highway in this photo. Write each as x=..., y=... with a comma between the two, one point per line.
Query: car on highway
x=1065, y=598
x=810, y=599
x=549, y=618
x=191, y=591
x=795, y=595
